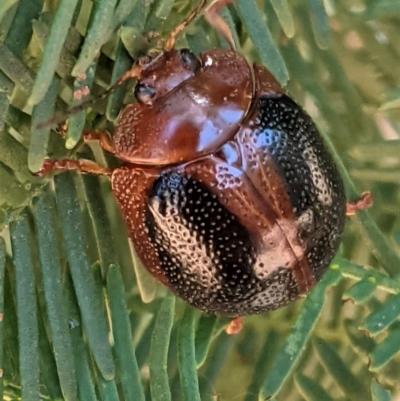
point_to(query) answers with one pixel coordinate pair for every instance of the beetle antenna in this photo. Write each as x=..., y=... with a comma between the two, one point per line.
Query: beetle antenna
x=217, y=22
x=170, y=42
x=58, y=118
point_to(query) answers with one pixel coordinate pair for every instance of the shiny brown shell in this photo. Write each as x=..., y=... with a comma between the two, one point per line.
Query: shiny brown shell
x=229, y=195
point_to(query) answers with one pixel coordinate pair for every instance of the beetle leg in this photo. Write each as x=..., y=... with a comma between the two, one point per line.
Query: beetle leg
x=170, y=42
x=364, y=202
x=83, y=166
x=103, y=137
x=62, y=129
x=235, y=326
x=216, y=21
x=134, y=72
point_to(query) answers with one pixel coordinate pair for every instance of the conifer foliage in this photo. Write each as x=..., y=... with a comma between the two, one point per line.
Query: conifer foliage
x=82, y=320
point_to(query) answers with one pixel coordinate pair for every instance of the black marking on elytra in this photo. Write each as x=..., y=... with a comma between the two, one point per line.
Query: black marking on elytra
x=205, y=252
x=309, y=174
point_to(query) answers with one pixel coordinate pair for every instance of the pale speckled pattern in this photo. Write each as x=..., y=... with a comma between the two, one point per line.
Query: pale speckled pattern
x=313, y=183
x=207, y=255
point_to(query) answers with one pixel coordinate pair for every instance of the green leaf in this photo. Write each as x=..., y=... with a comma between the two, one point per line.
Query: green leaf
x=125, y=353
x=203, y=337
x=378, y=393
x=48, y=368
x=89, y=295
x=123, y=9
x=19, y=34
x=49, y=252
x=163, y=9
x=319, y=23
x=98, y=215
x=2, y=284
x=97, y=35
x=214, y=367
x=6, y=89
x=362, y=291
x=159, y=384
x=359, y=339
x=15, y=69
x=311, y=389
x=39, y=136
x=5, y=5
x=350, y=383
x=383, y=317
x=122, y=64
x=108, y=389
x=10, y=328
x=76, y=122
x=58, y=33
x=14, y=155
x=263, y=365
x=386, y=350
x=356, y=272
x=83, y=364
x=187, y=357
x=28, y=334
x=262, y=39
x=284, y=15
x=294, y=345
x=14, y=194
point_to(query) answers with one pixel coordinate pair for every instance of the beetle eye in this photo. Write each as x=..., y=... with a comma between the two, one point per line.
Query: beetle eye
x=189, y=60
x=144, y=93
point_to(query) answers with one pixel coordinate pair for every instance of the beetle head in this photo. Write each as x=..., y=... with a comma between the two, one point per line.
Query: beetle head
x=164, y=72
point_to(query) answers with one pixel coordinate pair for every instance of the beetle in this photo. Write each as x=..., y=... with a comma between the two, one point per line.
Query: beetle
x=229, y=195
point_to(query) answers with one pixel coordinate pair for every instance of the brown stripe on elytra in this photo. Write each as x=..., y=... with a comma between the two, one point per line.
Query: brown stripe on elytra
x=258, y=214
x=234, y=191
x=270, y=186
x=273, y=188
x=130, y=186
x=262, y=173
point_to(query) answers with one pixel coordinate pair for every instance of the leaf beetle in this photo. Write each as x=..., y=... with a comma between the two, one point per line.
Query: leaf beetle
x=229, y=195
